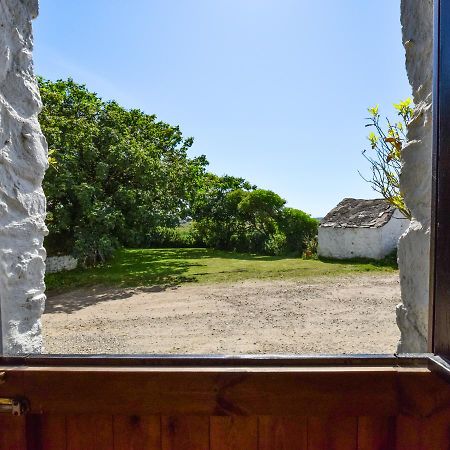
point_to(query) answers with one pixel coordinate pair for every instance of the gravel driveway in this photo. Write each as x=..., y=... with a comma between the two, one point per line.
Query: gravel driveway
x=351, y=314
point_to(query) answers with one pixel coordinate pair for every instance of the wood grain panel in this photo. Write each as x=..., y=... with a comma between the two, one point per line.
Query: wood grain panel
x=13, y=433
x=185, y=432
x=234, y=433
x=137, y=433
x=33, y=432
x=422, y=393
x=423, y=433
x=90, y=432
x=376, y=433
x=282, y=433
x=408, y=432
x=435, y=431
x=333, y=433
x=49, y=432
x=240, y=408
x=212, y=392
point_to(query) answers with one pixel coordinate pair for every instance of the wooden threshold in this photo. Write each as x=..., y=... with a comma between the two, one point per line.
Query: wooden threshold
x=385, y=385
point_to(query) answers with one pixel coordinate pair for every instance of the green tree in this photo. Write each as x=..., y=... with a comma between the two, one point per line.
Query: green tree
x=121, y=178
x=215, y=209
x=230, y=214
x=386, y=142
x=261, y=209
x=116, y=174
x=299, y=228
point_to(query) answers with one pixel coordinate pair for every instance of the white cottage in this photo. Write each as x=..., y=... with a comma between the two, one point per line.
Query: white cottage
x=358, y=228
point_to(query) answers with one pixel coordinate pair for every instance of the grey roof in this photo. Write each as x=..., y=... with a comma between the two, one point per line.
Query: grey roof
x=359, y=213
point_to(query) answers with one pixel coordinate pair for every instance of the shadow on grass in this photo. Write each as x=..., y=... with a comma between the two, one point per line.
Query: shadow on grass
x=131, y=268
x=390, y=261
x=145, y=267
x=152, y=270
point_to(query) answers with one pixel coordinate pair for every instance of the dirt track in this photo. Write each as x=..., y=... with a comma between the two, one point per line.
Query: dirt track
x=328, y=315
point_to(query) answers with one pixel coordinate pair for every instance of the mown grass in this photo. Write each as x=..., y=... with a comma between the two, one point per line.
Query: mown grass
x=150, y=267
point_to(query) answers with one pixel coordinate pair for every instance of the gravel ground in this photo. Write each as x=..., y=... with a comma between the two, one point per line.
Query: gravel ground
x=351, y=314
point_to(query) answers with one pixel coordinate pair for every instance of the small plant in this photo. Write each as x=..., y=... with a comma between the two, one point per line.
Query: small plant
x=311, y=249
x=385, y=157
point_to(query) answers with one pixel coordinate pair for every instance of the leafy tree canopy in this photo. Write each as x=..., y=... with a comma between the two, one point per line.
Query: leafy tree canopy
x=115, y=174
x=120, y=177
x=237, y=216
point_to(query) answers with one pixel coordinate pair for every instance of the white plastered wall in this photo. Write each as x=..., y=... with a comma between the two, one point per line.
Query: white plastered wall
x=344, y=243
x=375, y=243
x=414, y=246
x=392, y=231
x=23, y=160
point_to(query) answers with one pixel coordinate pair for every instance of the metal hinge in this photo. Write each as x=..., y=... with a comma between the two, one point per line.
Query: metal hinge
x=14, y=406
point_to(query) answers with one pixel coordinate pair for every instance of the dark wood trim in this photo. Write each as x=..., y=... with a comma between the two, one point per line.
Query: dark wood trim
x=440, y=227
x=435, y=107
x=189, y=361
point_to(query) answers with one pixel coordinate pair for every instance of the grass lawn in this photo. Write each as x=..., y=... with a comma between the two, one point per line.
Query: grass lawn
x=149, y=267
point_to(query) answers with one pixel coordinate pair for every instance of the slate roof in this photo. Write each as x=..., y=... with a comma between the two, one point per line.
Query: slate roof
x=359, y=213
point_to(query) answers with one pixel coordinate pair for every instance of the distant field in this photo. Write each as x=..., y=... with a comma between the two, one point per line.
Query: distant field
x=149, y=267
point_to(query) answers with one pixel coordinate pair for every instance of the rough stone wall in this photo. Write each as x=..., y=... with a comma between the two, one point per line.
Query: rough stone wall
x=59, y=263
x=414, y=246
x=391, y=232
x=343, y=243
x=23, y=160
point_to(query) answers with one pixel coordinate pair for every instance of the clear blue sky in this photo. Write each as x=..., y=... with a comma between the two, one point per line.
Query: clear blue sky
x=275, y=91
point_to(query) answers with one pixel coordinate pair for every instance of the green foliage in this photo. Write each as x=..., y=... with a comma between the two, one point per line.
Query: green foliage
x=120, y=178
x=165, y=237
x=115, y=174
x=299, y=229
x=311, y=248
x=230, y=214
x=275, y=244
x=385, y=154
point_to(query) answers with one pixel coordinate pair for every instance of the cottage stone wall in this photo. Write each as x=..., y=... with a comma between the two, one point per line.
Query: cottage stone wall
x=361, y=242
x=23, y=160
x=414, y=246
x=59, y=263
x=344, y=243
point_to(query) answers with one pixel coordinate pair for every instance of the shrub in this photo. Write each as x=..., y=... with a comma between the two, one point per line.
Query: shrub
x=180, y=237
x=299, y=228
x=275, y=244
x=311, y=248
x=254, y=221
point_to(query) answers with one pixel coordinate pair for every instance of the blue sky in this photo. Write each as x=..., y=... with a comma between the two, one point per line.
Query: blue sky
x=274, y=91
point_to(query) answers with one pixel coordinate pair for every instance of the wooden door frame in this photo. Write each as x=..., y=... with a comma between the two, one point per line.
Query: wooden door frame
x=439, y=317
